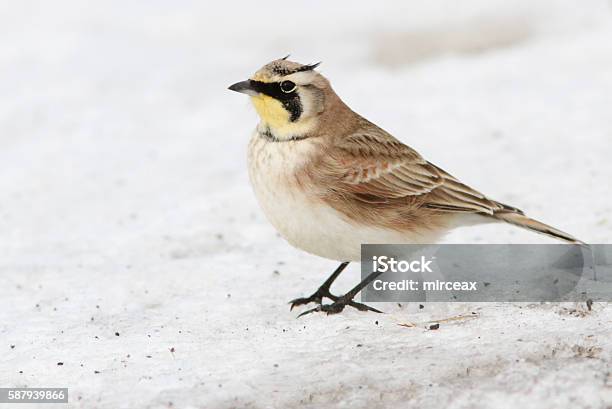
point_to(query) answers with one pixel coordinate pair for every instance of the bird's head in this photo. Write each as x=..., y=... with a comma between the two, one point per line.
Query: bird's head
x=288, y=97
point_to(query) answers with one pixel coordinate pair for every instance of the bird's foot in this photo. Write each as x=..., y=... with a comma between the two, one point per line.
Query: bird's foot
x=317, y=297
x=338, y=305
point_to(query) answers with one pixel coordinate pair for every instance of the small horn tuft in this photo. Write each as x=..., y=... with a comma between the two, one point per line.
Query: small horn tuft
x=308, y=67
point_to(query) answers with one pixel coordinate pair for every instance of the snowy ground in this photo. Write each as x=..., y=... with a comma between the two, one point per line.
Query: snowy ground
x=133, y=252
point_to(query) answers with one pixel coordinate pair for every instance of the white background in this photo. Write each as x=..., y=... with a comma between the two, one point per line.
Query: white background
x=125, y=205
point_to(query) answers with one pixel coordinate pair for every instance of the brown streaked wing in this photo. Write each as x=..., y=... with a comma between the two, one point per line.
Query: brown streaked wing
x=374, y=167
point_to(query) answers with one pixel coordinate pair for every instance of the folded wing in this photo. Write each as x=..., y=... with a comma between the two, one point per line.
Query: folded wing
x=377, y=168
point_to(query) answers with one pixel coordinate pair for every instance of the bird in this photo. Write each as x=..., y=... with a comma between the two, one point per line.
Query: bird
x=329, y=180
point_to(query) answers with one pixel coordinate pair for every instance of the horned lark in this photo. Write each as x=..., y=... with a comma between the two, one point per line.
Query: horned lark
x=329, y=180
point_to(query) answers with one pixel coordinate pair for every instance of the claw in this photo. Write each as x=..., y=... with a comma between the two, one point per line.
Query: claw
x=316, y=309
x=363, y=307
x=316, y=297
x=302, y=301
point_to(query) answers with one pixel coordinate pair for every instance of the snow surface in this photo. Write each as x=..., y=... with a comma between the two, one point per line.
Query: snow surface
x=133, y=252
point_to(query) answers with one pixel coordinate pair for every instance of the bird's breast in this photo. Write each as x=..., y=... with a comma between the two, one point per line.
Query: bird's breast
x=284, y=190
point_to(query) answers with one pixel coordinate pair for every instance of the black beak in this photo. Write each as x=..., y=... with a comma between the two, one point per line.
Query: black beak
x=244, y=87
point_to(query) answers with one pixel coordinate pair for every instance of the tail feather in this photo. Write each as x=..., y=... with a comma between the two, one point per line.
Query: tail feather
x=518, y=219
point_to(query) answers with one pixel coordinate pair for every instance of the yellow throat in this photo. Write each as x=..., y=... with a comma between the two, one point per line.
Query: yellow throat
x=271, y=111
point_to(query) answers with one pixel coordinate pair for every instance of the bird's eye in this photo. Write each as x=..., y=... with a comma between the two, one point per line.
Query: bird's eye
x=287, y=87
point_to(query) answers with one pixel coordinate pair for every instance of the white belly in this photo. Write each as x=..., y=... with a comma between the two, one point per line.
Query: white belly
x=299, y=216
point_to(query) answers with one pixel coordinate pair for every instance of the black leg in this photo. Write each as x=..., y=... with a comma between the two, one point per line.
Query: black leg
x=347, y=299
x=323, y=291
